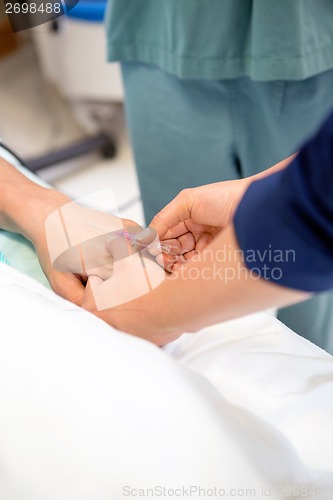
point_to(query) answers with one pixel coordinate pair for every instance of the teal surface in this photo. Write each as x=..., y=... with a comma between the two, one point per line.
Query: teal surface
x=3, y=259
x=186, y=133
x=22, y=256
x=214, y=39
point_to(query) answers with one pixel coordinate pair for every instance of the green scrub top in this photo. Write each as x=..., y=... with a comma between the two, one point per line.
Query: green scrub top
x=222, y=39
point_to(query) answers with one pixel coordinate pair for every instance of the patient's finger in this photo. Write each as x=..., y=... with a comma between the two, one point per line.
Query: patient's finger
x=88, y=301
x=185, y=227
x=94, y=281
x=104, y=272
x=119, y=247
x=146, y=237
x=68, y=286
x=166, y=232
x=167, y=261
x=174, y=232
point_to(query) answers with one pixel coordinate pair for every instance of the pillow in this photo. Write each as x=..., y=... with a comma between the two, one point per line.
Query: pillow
x=90, y=413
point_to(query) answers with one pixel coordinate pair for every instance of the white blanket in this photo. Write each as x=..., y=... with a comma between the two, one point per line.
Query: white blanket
x=89, y=413
x=258, y=363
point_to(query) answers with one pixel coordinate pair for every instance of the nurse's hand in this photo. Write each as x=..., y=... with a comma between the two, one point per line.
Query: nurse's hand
x=195, y=217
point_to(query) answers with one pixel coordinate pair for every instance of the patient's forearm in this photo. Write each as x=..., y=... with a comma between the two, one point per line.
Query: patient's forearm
x=24, y=205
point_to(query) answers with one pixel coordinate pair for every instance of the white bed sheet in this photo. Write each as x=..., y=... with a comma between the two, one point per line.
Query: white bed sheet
x=259, y=364
x=86, y=410
x=275, y=399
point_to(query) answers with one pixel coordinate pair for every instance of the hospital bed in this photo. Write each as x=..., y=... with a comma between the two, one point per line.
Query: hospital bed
x=240, y=409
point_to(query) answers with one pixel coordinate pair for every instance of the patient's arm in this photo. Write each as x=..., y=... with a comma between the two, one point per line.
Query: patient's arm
x=24, y=204
x=25, y=207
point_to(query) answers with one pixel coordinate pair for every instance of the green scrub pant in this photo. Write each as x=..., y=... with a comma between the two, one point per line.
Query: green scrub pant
x=186, y=133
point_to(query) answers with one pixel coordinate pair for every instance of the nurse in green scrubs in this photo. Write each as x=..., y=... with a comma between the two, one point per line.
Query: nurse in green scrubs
x=221, y=89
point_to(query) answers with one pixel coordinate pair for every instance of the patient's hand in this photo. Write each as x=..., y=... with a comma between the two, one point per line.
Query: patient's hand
x=117, y=299
x=133, y=276
x=61, y=231
x=71, y=245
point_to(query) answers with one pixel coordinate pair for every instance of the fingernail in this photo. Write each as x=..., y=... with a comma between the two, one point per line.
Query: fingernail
x=146, y=236
x=94, y=280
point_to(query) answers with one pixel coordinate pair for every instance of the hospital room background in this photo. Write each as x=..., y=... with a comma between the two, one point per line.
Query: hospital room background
x=242, y=409
x=58, y=93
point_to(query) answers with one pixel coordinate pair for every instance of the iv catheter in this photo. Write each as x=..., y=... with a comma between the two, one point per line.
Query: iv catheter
x=156, y=245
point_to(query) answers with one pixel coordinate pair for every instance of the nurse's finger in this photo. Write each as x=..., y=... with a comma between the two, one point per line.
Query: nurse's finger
x=183, y=259
x=174, y=247
x=187, y=243
x=146, y=237
x=167, y=261
x=174, y=232
x=203, y=240
x=173, y=214
x=178, y=246
x=189, y=226
x=190, y=255
x=89, y=301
